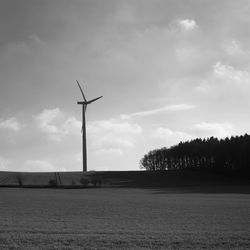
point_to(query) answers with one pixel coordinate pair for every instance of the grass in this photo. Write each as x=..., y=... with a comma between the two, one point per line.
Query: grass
x=127, y=218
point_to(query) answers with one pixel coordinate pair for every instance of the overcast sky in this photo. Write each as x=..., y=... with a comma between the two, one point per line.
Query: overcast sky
x=168, y=71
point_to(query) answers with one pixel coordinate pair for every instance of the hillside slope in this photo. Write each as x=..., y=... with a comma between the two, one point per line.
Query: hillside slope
x=140, y=179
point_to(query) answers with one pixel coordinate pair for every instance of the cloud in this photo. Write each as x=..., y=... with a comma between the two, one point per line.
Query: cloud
x=226, y=77
x=186, y=24
x=107, y=135
x=35, y=40
x=114, y=125
x=4, y=164
x=71, y=126
x=172, y=108
x=46, y=118
x=235, y=49
x=12, y=124
x=206, y=129
x=39, y=166
x=112, y=151
x=170, y=137
x=228, y=72
x=57, y=124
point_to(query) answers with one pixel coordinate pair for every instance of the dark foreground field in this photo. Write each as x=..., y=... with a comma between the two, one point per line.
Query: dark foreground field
x=122, y=218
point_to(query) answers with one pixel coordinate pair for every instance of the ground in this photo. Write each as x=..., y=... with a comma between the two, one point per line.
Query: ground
x=123, y=218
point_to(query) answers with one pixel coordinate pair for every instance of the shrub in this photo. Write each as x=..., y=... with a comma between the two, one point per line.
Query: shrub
x=99, y=182
x=96, y=182
x=19, y=180
x=52, y=183
x=84, y=181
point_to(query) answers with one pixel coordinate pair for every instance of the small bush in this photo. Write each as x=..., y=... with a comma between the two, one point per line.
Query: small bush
x=96, y=182
x=19, y=180
x=84, y=181
x=52, y=183
x=99, y=182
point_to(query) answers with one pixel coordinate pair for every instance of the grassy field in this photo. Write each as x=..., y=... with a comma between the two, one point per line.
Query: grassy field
x=122, y=218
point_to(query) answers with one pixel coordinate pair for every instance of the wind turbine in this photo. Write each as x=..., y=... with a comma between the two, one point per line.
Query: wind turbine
x=84, y=104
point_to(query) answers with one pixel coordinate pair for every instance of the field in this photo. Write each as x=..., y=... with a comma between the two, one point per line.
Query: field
x=123, y=218
x=135, y=179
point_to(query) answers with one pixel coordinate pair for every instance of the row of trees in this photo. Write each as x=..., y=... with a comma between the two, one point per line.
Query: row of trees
x=211, y=153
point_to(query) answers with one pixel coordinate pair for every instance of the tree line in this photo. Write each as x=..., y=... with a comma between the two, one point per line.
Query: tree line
x=229, y=154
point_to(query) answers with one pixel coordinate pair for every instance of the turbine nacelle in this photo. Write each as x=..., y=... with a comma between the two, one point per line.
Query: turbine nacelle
x=85, y=102
x=88, y=102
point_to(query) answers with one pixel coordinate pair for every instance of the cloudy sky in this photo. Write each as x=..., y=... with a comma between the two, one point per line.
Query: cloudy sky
x=169, y=70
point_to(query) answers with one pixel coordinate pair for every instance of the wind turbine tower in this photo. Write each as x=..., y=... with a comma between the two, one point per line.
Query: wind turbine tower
x=84, y=104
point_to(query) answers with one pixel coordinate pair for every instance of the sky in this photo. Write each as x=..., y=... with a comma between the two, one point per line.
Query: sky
x=168, y=70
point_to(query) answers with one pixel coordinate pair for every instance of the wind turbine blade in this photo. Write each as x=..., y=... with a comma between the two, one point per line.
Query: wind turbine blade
x=95, y=99
x=81, y=91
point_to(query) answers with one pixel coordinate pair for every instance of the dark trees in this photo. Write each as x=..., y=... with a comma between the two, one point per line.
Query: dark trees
x=229, y=154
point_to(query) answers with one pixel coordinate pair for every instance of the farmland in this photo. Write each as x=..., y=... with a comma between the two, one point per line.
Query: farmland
x=133, y=179
x=123, y=218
